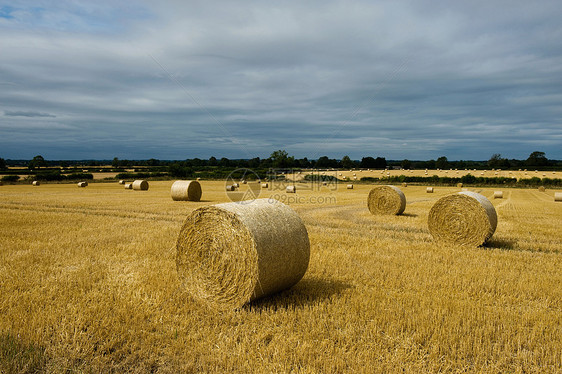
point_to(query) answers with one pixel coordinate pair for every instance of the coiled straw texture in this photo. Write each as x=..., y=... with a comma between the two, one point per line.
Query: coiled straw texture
x=386, y=200
x=186, y=191
x=465, y=218
x=230, y=254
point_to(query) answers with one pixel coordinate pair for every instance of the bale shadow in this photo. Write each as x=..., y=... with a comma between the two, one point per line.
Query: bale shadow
x=409, y=215
x=307, y=292
x=509, y=244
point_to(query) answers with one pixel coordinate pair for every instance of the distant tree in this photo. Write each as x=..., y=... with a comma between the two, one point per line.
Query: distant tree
x=367, y=162
x=281, y=159
x=380, y=163
x=153, y=162
x=212, y=161
x=406, y=164
x=442, y=163
x=115, y=162
x=224, y=162
x=346, y=162
x=537, y=159
x=37, y=162
x=3, y=164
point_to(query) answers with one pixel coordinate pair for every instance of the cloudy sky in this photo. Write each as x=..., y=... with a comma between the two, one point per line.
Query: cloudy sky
x=182, y=79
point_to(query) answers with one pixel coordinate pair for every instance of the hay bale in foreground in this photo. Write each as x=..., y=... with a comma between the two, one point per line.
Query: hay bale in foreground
x=264, y=185
x=186, y=191
x=291, y=189
x=121, y=181
x=36, y=183
x=542, y=189
x=82, y=184
x=386, y=200
x=464, y=218
x=429, y=190
x=349, y=187
x=498, y=194
x=129, y=186
x=230, y=254
x=558, y=196
x=140, y=185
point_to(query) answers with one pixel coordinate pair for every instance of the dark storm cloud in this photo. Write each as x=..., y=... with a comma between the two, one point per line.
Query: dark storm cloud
x=177, y=80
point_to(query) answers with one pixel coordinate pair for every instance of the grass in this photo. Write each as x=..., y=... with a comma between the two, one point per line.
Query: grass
x=88, y=284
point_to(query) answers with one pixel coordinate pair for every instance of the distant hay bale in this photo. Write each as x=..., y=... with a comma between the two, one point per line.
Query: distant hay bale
x=429, y=190
x=324, y=183
x=36, y=183
x=230, y=188
x=558, y=196
x=291, y=189
x=542, y=189
x=349, y=186
x=82, y=184
x=233, y=253
x=464, y=218
x=264, y=185
x=386, y=200
x=404, y=184
x=236, y=185
x=121, y=181
x=244, y=182
x=186, y=191
x=459, y=185
x=498, y=194
x=140, y=185
x=198, y=178
x=128, y=186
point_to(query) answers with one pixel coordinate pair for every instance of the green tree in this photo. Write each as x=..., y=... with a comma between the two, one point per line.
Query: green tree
x=3, y=164
x=380, y=163
x=281, y=159
x=537, y=159
x=442, y=163
x=346, y=162
x=115, y=162
x=367, y=162
x=406, y=164
x=212, y=161
x=37, y=162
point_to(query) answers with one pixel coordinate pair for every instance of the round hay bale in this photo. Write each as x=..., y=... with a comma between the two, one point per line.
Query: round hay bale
x=349, y=186
x=236, y=185
x=128, y=186
x=459, y=185
x=542, y=189
x=291, y=189
x=464, y=218
x=233, y=253
x=386, y=200
x=244, y=182
x=429, y=190
x=140, y=185
x=264, y=185
x=404, y=184
x=82, y=184
x=121, y=181
x=36, y=183
x=230, y=188
x=324, y=183
x=498, y=194
x=558, y=196
x=198, y=178
x=186, y=191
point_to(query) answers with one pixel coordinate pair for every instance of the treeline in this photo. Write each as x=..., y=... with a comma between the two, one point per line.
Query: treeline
x=469, y=179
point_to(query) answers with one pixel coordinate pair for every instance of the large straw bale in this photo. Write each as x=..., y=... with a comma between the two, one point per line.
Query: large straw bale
x=36, y=183
x=498, y=194
x=230, y=254
x=429, y=190
x=542, y=189
x=82, y=184
x=128, y=186
x=464, y=218
x=140, y=185
x=121, y=181
x=264, y=185
x=291, y=189
x=386, y=200
x=349, y=186
x=186, y=191
x=230, y=187
x=558, y=196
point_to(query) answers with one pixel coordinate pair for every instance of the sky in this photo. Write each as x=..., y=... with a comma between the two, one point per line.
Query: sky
x=182, y=79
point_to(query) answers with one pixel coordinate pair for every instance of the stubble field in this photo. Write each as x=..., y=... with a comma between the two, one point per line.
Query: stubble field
x=88, y=284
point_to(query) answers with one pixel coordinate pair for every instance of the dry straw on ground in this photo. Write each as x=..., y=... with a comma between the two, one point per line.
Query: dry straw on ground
x=291, y=189
x=349, y=186
x=498, y=194
x=429, y=190
x=36, y=183
x=186, y=191
x=82, y=184
x=232, y=253
x=140, y=185
x=386, y=200
x=129, y=186
x=464, y=218
x=558, y=196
